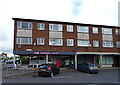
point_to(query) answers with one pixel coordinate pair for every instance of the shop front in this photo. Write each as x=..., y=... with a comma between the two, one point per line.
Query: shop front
x=61, y=59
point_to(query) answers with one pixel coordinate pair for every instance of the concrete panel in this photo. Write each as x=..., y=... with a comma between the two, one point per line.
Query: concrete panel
x=24, y=33
x=82, y=36
x=107, y=37
x=55, y=34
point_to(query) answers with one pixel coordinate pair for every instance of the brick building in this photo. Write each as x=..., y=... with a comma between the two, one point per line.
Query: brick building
x=71, y=43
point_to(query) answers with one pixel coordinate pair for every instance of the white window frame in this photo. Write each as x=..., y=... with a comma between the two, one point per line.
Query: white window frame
x=40, y=41
x=20, y=23
x=118, y=44
x=84, y=29
x=70, y=42
x=41, y=26
x=106, y=30
x=24, y=40
x=56, y=41
x=55, y=27
x=95, y=43
x=95, y=30
x=83, y=43
x=108, y=44
x=117, y=31
x=69, y=28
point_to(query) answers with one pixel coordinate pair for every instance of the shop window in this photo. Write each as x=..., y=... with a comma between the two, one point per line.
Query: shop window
x=107, y=60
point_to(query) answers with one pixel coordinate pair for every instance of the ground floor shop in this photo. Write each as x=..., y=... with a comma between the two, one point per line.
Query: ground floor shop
x=72, y=59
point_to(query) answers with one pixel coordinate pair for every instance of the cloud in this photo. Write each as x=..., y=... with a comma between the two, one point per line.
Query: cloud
x=81, y=11
x=98, y=12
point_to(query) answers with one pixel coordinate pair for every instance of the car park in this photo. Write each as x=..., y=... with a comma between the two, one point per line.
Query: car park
x=88, y=67
x=48, y=70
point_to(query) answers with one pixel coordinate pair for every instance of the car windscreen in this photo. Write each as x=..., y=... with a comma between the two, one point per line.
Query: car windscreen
x=93, y=65
x=46, y=65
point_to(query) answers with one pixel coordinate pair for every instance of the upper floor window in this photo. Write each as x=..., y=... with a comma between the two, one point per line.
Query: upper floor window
x=82, y=29
x=95, y=30
x=55, y=27
x=69, y=28
x=70, y=42
x=24, y=25
x=85, y=43
x=117, y=31
x=106, y=31
x=24, y=40
x=41, y=26
x=95, y=43
x=118, y=44
x=107, y=43
x=55, y=41
x=40, y=41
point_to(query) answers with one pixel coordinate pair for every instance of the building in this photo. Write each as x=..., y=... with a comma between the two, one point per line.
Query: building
x=70, y=43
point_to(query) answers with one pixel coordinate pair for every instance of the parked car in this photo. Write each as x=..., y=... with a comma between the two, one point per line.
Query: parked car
x=88, y=67
x=48, y=70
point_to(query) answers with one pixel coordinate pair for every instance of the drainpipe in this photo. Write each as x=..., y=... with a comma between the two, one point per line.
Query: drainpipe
x=75, y=61
x=14, y=60
x=46, y=58
x=101, y=61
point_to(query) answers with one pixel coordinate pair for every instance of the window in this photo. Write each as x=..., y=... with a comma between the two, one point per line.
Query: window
x=55, y=27
x=117, y=31
x=24, y=40
x=107, y=60
x=24, y=25
x=69, y=28
x=83, y=43
x=118, y=44
x=82, y=29
x=55, y=41
x=107, y=43
x=106, y=31
x=95, y=30
x=41, y=26
x=40, y=41
x=70, y=42
x=95, y=43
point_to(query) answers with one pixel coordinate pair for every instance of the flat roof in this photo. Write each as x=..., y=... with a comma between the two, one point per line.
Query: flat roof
x=61, y=22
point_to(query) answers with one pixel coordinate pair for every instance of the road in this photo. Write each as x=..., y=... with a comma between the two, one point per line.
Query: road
x=71, y=76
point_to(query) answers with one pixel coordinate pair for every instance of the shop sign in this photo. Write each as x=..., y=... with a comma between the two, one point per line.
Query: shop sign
x=46, y=52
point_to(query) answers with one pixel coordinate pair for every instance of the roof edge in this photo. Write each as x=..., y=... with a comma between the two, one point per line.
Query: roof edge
x=66, y=22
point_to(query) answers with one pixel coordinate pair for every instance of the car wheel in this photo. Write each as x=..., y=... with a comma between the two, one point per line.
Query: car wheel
x=51, y=74
x=38, y=74
x=88, y=71
x=96, y=72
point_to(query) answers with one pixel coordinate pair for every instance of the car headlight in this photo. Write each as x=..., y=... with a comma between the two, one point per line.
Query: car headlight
x=91, y=67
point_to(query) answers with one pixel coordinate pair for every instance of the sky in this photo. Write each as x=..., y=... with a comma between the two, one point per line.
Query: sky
x=102, y=12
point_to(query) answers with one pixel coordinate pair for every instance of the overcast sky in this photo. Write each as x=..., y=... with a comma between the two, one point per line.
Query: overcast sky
x=104, y=12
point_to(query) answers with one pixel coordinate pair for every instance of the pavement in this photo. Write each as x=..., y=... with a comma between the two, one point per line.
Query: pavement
x=24, y=71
